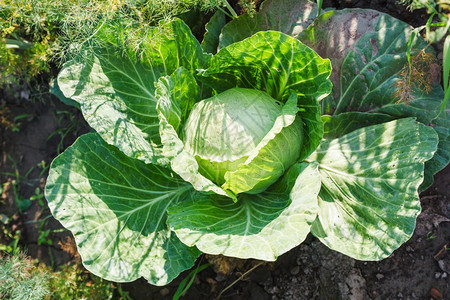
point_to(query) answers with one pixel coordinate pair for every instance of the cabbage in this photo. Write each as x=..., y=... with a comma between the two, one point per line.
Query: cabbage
x=245, y=152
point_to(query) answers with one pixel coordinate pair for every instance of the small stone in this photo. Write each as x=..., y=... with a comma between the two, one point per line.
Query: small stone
x=409, y=249
x=400, y=295
x=220, y=277
x=295, y=270
x=444, y=265
x=435, y=294
x=268, y=281
x=379, y=276
x=164, y=292
x=273, y=290
x=437, y=275
x=444, y=275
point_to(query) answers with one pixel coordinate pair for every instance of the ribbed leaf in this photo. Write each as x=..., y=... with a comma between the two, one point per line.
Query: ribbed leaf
x=309, y=112
x=368, y=50
x=288, y=16
x=442, y=156
x=270, y=61
x=176, y=96
x=210, y=41
x=369, y=202
x=115, y=207
x=261, y=226
x=116, y=91
x=341, y=124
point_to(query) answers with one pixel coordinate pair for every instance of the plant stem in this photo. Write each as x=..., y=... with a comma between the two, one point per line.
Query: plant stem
x=240, y=278
x=230, y=9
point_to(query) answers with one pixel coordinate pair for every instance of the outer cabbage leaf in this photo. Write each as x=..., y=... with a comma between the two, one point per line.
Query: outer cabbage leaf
x=210, y=41
x=442, y=156
x=274, y=62
x=368, y=50
x=369, y=202
x=261, y=226
x=55, y=90
x=341, y=124
x=426, y=107
x=115, y=207
x=288, y=16
x=309, y=112
x=179, y=92
x=115, y=89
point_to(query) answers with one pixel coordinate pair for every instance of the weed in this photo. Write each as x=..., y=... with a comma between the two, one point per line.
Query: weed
x=21, y=280
x=23, y=204
x=430, y=236
x=434, y=32
x=68, y=124
x=420, y=74
x=12, y=237
x=24, y=278
x=38, y=33
x=186, y=283
x=5, y=120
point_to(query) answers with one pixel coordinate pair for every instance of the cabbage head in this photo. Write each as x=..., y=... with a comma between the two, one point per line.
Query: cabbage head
x=231, y=137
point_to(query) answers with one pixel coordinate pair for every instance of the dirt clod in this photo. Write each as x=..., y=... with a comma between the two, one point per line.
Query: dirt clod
x=435, y=294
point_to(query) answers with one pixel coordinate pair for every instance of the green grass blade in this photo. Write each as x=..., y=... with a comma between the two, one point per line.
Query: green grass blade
x=16, y=44
x=445, y=73
x=428, y=26
x=446, y=63
x=319, y=7
x=187, y=282
x=413, y=36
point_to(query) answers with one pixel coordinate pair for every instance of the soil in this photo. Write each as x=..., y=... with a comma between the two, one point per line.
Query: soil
x=420, y=269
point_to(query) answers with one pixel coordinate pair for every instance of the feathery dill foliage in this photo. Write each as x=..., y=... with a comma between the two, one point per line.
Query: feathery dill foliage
x=422, y=74
x=135, y=17
x=422, y=71
x=248, y=6
x=36, y=33
x=20, y=280
x=24, y=278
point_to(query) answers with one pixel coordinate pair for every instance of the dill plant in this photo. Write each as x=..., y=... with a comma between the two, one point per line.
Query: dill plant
x=24, y=278
x=50, y=29
x=20, y=280
x=414, y=71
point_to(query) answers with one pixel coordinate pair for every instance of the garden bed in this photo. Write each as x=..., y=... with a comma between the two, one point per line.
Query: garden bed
x=33, y=133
